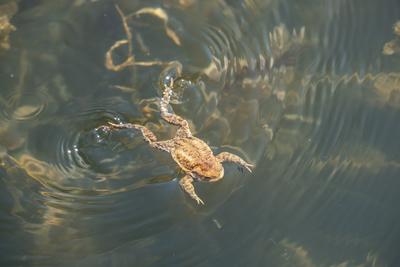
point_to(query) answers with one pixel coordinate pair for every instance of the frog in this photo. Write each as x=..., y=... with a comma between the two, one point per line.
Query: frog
x=192, y=155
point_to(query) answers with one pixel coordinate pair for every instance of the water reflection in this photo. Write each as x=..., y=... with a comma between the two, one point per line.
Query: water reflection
x=301, y=89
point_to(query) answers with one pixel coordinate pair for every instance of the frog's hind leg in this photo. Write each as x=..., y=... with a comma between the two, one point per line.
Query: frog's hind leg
x=187, y=185
x=184, y=130
x=148, y=135
x=226, y=156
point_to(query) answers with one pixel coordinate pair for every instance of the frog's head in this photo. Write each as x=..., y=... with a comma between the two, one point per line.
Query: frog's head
x=208, y=171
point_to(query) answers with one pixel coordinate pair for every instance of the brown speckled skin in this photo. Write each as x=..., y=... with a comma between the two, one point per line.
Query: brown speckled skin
x=193, y=155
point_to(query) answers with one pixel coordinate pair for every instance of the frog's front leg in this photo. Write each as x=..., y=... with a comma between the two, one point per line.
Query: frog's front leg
x=148, y=135
x=184, y=130
x=226, y=156
x=187, y=185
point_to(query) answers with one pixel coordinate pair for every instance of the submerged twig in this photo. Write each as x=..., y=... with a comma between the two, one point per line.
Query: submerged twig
x=109, y=61
x=130, y=61
x=162, y=15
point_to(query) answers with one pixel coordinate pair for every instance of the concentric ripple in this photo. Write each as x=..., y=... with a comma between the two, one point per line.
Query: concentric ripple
x=24, y=106
x=80, y=155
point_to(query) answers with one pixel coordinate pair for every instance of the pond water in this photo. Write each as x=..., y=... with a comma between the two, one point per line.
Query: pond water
x=307, y=90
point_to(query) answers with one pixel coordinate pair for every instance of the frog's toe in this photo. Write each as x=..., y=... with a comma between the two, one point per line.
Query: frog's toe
x=199, y=201
x=249, y=167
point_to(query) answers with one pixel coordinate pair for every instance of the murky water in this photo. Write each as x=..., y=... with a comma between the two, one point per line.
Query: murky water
x=303, y=89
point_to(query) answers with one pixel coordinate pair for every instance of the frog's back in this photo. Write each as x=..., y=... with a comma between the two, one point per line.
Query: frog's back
x=194, y=155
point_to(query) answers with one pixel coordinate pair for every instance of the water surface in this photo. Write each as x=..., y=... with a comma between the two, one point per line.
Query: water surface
x=300, y=88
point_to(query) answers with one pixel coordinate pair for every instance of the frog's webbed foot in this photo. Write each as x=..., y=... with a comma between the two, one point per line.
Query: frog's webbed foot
x=148, y=135
x=226, y=156
x=187, y=185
